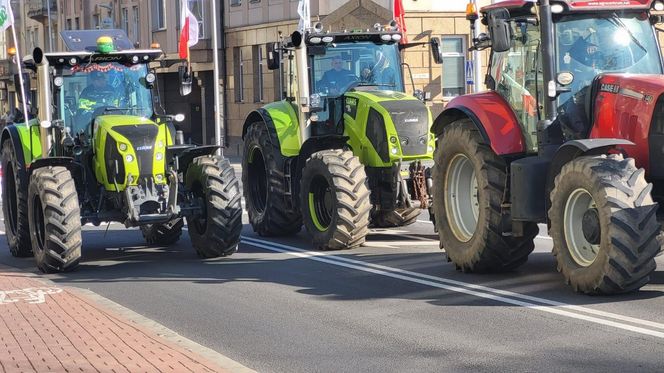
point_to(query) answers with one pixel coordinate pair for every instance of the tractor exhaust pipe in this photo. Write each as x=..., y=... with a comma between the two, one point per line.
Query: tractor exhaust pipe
x=303, y=95
x=43, y=101
x=547, y=140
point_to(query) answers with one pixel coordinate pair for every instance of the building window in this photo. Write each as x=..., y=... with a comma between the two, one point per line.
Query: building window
x=125, y=20
x=236, y=2
x=454, y=65
x=258, y=73
x=68, y=24
x=77, y=23
x=158, y=14
x=136, y=31
x=238, y=79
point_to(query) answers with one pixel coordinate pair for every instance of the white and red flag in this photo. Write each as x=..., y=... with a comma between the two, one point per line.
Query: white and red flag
x=399, y=16
x=189, y=31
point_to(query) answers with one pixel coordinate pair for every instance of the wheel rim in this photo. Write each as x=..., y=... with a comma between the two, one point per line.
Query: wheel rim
x=38, y=222
x=581, y=250
x=321, y=203
x=461, y=196
x=258, y=180
x=12, y=199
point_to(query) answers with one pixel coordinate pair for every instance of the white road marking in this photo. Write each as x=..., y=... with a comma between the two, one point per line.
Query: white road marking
x=539, y=236
x=29, y=295
x=504, y=296
x=398, y=244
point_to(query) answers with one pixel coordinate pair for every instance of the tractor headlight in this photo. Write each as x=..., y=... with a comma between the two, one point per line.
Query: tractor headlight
x=396, y=37
x=429, y=149
x=123, y=147
x=160, y=177
x=386, y=37
x=129, y=158
x=315, y=40
x=160, y=144
x=328, y=39
x=150, y=78
x=557, y=8
x=58, y=81
x=658, y=6
x=159, y=156
x=395, y=151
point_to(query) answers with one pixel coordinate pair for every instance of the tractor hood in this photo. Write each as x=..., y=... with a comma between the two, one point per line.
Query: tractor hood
x=631, y=107
x=397, y=125
x=129, y=149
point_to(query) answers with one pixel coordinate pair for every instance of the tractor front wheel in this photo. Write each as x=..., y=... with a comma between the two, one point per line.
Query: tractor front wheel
x=163, y=234
x=15, y=202
x=334, y=199
x=55, y=219
x=215, y=231
x=603, y=225
x=400, y=217
x=470, y=182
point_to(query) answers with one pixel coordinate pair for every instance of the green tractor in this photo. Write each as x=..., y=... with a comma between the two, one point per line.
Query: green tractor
x=345, y=148
x=98, y=152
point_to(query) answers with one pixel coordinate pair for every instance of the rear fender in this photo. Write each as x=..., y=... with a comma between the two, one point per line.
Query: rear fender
x=491, y=115
x=19, y=136
x=282, y=124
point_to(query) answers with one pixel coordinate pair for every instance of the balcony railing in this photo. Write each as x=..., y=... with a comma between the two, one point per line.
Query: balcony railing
x=38, y=9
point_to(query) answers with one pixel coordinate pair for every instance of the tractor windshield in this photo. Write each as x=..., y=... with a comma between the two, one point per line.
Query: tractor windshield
x=105, y=88
x=589, y=45
x=347, y=65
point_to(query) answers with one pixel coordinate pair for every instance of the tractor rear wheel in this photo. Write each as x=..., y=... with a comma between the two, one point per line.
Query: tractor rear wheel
x=55, y=219
x=216, y=230
x=396, y=218
x=334, y=198
x=604, y=225
x=163, y=234
x=264, y=185
x=15, y=202
x=470, y=182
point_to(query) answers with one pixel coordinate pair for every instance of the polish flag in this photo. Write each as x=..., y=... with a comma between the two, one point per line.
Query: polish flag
x=399, y=16
x=189, y=32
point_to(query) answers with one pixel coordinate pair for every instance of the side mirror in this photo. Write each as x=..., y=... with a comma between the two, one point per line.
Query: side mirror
x=500, y=30
x=185, y=80
x=436, y=50
x=273, y=56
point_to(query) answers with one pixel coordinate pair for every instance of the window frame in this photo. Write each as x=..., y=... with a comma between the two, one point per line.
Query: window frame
x=463, y=54
x=238, y=75
x=155, y=15
x=259, y=61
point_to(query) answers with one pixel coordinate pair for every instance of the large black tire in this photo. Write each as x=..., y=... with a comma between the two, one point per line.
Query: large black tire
x=619, y=257
x=395, y=218
x=15, y=202
x=55, y=219
x=264, y=185
x=483, y=247
x=216, y=231
x=335, y=200
x=163, y=234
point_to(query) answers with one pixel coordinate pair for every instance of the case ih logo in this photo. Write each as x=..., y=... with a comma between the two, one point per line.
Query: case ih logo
x=144, y=148
x=611, y=88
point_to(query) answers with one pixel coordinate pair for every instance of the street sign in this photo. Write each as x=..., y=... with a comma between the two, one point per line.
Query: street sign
x=469, y=72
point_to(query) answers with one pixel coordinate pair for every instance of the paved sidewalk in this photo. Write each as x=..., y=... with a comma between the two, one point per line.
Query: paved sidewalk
x=45, y=328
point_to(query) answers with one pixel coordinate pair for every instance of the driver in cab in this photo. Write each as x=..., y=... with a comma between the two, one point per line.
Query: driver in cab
x=97, y=93
x=337, y=78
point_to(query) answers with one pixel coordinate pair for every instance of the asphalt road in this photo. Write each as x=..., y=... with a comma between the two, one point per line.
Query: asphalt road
x=393, y=305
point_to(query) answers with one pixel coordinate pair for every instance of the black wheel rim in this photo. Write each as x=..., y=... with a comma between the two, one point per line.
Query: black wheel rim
x=257, y=180
x=11, y=197
x=38, y=223
x=321, y=203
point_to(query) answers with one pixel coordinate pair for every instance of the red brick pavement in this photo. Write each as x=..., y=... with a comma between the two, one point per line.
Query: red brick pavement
x=69, y=332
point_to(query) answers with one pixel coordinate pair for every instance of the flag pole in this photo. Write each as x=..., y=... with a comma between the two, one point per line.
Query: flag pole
x=218, y=114
x=19, y=64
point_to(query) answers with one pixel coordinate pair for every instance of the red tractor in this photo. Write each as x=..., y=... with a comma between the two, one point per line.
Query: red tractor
x=570, y=133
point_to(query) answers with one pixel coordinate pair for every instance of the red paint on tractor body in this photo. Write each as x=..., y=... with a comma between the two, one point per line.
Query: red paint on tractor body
x=497, y=119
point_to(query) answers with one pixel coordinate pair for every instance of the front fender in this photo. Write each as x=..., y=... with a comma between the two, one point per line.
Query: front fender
x=493, y=117
x=282, y=124
x=20, y=137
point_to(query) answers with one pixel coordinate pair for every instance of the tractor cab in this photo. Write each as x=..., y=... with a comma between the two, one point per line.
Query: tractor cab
x=339, y=67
